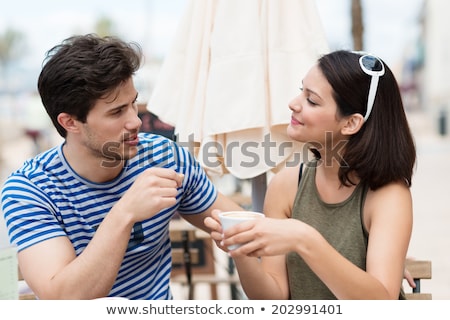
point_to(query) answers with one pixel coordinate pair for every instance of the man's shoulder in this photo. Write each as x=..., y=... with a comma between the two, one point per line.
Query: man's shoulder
x=146, y=138
x=151, y=142
x=41, y=164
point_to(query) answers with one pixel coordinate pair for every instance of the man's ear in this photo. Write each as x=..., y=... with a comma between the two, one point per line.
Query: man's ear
x=68, y=122
x=352, y=124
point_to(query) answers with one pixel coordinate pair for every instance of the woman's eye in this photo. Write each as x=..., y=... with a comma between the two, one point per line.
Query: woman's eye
x=311, y=102
x=308, y=98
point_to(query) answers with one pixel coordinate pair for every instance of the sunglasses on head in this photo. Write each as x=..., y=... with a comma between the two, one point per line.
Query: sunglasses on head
x=374, y=67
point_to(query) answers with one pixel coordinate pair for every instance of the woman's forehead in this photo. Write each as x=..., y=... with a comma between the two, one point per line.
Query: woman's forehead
x=316, y=82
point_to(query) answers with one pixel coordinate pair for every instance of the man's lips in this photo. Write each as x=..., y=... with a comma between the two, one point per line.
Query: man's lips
x=132, y=139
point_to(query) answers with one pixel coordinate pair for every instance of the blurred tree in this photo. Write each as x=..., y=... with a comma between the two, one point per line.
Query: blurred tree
x=357, y=25
x=105, y=27
x=12, y=43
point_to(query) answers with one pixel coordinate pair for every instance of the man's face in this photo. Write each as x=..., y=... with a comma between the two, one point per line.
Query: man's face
x=111, y=127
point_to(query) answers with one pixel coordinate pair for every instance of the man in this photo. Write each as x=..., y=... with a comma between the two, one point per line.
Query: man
x=90, y=217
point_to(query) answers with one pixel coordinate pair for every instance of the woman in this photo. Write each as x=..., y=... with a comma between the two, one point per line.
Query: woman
x=339, y=226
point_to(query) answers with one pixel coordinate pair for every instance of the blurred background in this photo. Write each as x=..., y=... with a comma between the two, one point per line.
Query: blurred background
x=412, y=36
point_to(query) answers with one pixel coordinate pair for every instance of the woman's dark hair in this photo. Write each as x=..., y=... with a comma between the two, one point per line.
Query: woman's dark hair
x=83, y=69
x=383, y=150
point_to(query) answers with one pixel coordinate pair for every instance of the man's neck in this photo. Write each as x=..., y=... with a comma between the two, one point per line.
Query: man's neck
x=90, y=167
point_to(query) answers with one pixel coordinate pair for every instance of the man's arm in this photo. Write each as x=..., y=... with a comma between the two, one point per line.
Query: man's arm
x=221, y=203
x=53, y=271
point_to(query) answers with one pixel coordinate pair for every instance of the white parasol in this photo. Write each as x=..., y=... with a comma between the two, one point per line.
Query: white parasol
x=227, y=81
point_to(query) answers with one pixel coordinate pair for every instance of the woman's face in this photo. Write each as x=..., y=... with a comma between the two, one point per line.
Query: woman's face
x=314, y=113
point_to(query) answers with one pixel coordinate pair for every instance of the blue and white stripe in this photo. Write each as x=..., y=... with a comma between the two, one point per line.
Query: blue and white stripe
x=46, y=199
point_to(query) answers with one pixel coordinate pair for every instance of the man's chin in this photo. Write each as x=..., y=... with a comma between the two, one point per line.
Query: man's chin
x=130, y=153
x=119, y=159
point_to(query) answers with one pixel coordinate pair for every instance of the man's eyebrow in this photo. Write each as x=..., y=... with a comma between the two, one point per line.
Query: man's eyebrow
x=125, y=104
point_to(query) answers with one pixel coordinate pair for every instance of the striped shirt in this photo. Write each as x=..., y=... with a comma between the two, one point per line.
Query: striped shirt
x=46, y=198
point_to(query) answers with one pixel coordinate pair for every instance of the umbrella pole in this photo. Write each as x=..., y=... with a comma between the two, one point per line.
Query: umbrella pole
x=259, y=186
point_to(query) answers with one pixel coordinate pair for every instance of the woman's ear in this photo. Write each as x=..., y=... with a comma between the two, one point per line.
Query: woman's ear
x=68, y=122
x=352, y=124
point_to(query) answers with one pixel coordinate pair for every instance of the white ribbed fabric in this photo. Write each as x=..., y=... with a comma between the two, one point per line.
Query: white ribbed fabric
x=230, y=75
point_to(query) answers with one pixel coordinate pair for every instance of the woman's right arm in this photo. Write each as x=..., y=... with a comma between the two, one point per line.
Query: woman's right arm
x=266, y=277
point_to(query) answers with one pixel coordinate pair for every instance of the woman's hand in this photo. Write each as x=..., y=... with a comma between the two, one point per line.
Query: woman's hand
x=264, y=237
x=409, y=278
x=213, y=223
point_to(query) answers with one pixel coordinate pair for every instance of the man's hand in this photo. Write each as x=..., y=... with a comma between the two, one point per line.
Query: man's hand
x=155, y=189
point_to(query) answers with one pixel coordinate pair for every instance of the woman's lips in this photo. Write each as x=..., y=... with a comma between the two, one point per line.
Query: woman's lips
x=295, y=122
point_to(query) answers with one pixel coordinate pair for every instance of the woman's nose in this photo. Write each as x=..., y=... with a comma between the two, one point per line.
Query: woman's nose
x=295, y=104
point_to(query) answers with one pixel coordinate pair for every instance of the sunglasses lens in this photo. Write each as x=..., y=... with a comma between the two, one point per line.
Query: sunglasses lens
x=372, y=63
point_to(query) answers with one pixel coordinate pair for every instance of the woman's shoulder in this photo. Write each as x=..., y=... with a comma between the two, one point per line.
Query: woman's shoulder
x=281, y=192
x=392, y=189
x=285, y=176
x=394, y=196
x=390, y=204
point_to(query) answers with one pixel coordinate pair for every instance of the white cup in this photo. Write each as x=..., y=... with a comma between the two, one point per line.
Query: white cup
x=231, y=218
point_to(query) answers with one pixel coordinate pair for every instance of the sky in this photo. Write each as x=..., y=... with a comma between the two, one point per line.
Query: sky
x=390, y=26
x=47, y=22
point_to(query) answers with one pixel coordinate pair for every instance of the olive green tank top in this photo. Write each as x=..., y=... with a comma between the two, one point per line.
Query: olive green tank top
x=341, y=224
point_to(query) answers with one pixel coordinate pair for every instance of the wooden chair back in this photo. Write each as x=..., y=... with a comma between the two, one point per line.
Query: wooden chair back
x=195, y=265
x=419, y=270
